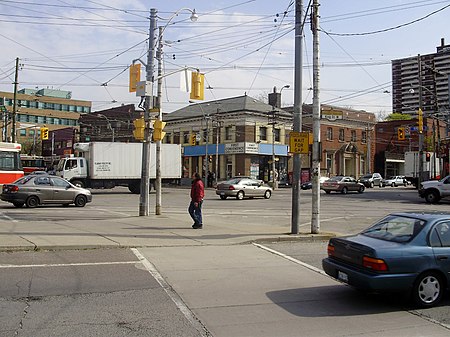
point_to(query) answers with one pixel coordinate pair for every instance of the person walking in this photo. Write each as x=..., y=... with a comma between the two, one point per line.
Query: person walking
x=195, y=206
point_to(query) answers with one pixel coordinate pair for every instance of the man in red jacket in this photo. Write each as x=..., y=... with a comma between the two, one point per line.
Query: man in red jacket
x=197, y=195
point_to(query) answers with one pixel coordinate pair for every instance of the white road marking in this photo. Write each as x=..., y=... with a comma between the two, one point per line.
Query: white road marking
x=8, y=218
x=287, y=257
x=4, y=266
x=172, y=294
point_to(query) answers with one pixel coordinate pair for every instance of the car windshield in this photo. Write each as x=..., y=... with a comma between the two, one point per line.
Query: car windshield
x=367, y=176
x=395, y=228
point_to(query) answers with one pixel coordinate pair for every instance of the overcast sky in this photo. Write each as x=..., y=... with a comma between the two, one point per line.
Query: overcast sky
x=242, y=47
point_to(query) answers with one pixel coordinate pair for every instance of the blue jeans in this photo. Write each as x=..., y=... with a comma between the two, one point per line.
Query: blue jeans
x=196, y=212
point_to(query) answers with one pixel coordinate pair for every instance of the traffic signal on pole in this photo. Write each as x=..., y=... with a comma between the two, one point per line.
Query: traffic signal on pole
x=44, y=133
x=158, y=127
x=420, y=123
x=428, y=156
x=139, y=128
x=135, y=76
x=193, y=139
x=401, y=133
x=197, y=86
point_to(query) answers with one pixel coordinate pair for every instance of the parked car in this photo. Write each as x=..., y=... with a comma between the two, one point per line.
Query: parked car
x=402, y=252
x=308, y=184
x=371, y=180
x=241, y=188
x=37, y=189
x=342, y=184
x=395, y=181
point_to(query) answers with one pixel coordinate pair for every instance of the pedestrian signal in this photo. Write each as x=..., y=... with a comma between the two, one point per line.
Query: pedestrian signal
x=139, y=129
x=158, y=127
x=44, y=133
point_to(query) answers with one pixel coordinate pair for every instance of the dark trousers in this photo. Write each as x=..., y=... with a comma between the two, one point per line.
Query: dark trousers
x=196, y=212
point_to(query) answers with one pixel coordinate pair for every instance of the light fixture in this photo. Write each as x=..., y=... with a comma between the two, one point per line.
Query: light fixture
x=194, y=16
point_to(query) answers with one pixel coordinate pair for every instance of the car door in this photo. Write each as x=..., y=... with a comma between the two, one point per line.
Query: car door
x=62, y=191
x=43, y=188
x=440, y=241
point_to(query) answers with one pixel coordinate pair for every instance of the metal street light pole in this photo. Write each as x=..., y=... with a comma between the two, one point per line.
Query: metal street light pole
x=109, y=125
x=145, y=173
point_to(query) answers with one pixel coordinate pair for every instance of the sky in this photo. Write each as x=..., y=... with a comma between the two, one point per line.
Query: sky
x=242, y=47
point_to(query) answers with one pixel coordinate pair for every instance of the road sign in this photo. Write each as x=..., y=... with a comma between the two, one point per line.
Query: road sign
x=299, y=142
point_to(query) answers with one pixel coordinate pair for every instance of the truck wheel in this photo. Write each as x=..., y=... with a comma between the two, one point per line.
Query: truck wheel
x=78, y=183
x=432, y=197
x=135, y=188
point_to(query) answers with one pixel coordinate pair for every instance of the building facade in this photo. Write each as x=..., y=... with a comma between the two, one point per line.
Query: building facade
x=422, y=81
x=36, y=108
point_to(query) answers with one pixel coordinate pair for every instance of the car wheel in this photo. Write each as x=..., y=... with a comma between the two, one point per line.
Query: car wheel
x=327, y=192
x=393, y=185
x=371, y=184
x=18, y=204
x=431, y=197
x=78, y=183
x=344, y=190
x=80, y=201
x=361, y=189
x=428, y=290
x=240, y=195
x=32, y=201
x=223, y=197
x=267, y=194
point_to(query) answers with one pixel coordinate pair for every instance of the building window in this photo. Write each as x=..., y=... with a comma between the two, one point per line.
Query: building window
x=353, y=135
x=262, y=133
x=329, y=133
x=23, y=132
x=185, y=137
x=364, y=137
x=341, y=135
x=362, y=166
x=329, y=163
x=276, y=134
x=228, y=130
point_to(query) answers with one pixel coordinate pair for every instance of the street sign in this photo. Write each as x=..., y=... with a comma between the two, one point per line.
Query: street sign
x=299, y=142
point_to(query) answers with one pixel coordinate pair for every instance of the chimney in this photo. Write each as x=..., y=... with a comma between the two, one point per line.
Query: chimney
x=442, y=42
x=275, y=98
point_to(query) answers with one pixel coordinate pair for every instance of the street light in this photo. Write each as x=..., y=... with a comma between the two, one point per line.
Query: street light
x=108, y=124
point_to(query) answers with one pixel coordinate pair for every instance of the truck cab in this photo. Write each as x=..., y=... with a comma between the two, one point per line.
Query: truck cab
x=73, y=169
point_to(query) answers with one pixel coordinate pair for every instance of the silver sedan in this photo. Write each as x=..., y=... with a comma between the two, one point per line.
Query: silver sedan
x=241, y=188
x=38, y=189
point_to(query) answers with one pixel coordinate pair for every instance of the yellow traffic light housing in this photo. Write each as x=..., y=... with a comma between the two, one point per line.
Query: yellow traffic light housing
x=139, y=129
x=401, y=133
x=197, y=86
x=135, y=77
x=44, y=133
x=420, y=123
x=193, y=139
x=158, y=133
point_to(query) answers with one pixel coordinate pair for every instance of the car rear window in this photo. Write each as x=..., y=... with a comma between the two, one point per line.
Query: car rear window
x=395, y=228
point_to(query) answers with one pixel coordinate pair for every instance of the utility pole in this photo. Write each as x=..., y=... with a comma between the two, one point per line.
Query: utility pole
x=420, y=178
x=145, y=175
x=158, y=184
x=316, y=152
x=297, y=125
x=16, y=83
x=218, y=125
x=273, y=123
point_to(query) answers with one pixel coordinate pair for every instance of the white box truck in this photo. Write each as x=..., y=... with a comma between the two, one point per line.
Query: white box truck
x=431, y=167
x=101, y=165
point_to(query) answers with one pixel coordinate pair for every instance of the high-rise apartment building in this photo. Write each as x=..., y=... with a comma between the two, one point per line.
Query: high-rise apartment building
x=422, y=81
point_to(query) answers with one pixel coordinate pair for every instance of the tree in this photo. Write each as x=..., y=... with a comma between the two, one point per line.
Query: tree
x=398, y=117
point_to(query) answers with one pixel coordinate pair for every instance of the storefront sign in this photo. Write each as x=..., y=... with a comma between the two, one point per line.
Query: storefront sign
x=242, y=147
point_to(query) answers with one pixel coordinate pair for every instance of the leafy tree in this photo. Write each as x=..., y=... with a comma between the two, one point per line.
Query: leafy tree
x=398, y=117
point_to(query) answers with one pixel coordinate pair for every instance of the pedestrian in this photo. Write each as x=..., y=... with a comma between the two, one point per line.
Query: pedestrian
x=195, y=206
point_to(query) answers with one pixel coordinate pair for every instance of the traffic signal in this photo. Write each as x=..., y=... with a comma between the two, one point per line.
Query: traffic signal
x=420, y=123
x=158, y=126
x=135, y=76
x=197, y=86
x=193, y=139
x=44, y=133
x=139, y=128
x=401, y=133
x=428, y=156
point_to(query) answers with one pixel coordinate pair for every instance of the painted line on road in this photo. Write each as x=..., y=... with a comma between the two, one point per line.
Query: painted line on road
x=114, y=212
x=190, y=316
x=4, y=266
x=323, y=220
x=290, y=258
x=9, y=218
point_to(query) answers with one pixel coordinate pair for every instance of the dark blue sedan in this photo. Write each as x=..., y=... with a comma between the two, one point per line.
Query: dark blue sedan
x=402, y=252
